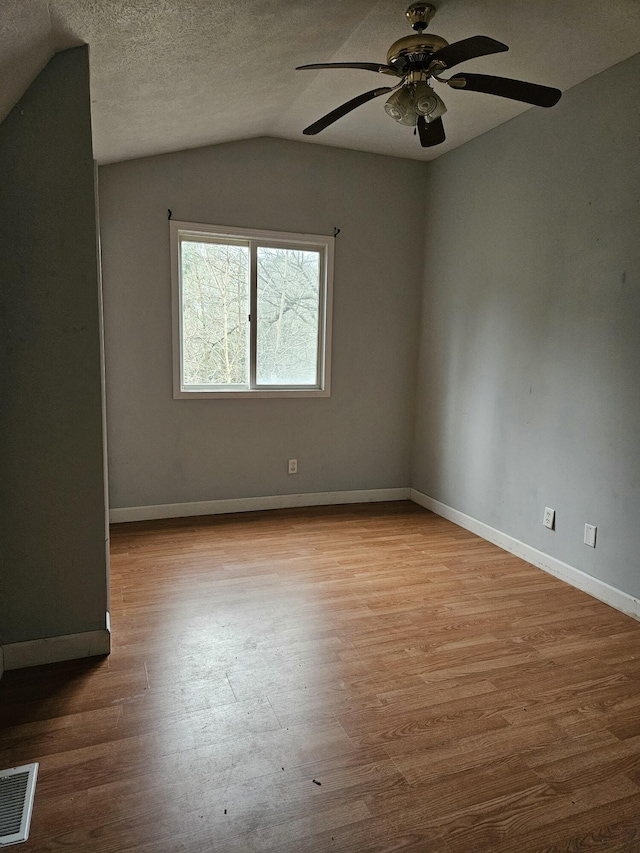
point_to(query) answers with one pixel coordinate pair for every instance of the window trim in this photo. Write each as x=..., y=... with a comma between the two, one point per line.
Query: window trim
x=256, y=237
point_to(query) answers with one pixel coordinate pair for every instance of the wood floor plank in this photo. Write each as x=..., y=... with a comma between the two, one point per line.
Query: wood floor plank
x=611, y=827
x=361, y=679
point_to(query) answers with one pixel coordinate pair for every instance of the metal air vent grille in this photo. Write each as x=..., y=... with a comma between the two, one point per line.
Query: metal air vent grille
x=17, y=788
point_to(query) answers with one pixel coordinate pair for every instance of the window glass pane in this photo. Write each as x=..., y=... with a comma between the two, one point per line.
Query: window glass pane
x=288, y=315
x=215, y=311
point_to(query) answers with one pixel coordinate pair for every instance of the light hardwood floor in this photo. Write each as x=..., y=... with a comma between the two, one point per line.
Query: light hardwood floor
x=446, y=696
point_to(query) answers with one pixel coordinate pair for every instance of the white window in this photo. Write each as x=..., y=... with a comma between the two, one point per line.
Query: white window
x=251, y=312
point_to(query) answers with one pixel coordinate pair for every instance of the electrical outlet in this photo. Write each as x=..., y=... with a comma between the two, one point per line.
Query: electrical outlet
x=549, y=518
x=293, y=466
x=590, y=535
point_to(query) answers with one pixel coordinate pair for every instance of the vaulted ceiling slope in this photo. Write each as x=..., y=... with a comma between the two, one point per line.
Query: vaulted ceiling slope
x=175, y=74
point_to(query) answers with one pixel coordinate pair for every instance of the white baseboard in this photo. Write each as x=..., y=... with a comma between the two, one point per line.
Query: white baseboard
x=184, y=510
x=575, y=577
x=55, y=649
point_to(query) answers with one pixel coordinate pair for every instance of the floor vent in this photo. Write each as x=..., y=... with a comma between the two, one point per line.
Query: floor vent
x=17, y=787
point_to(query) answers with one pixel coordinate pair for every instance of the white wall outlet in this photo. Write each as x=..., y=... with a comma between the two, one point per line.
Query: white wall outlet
x=293, y=466
x=590, y=535
x=549, y=518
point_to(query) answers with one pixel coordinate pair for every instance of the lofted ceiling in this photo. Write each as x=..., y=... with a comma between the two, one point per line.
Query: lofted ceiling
x=174, y=74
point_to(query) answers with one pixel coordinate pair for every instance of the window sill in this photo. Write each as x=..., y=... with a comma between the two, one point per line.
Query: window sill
x=255, y=394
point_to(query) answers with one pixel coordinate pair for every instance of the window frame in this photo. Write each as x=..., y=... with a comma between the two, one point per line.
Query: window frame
x=256, y=238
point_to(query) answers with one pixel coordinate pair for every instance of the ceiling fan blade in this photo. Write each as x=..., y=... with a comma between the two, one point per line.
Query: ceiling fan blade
x=469, y=48
x=334, y=115
x=517, y=90
x=431, y=133
x=378, y=67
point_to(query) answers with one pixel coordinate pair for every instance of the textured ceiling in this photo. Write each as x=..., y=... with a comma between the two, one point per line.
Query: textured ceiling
x=173, y=74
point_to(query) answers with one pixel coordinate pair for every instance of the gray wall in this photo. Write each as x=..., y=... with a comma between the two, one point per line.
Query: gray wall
x=53, y=571
x=529, y=377
x=166, y=451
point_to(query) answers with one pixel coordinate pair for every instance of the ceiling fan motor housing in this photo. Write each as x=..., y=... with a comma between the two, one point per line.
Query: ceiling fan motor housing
x=414, y=51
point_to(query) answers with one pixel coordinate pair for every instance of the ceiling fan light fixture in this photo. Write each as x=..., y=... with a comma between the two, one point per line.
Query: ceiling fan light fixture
x=401, y=107
x=428, y=103
x=413, y=100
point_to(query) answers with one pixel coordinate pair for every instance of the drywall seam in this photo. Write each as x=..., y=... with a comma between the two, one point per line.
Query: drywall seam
x=180, y=510
x=574, y=577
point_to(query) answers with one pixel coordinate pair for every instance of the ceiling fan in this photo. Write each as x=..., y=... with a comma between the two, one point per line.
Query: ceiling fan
x=416, y=60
